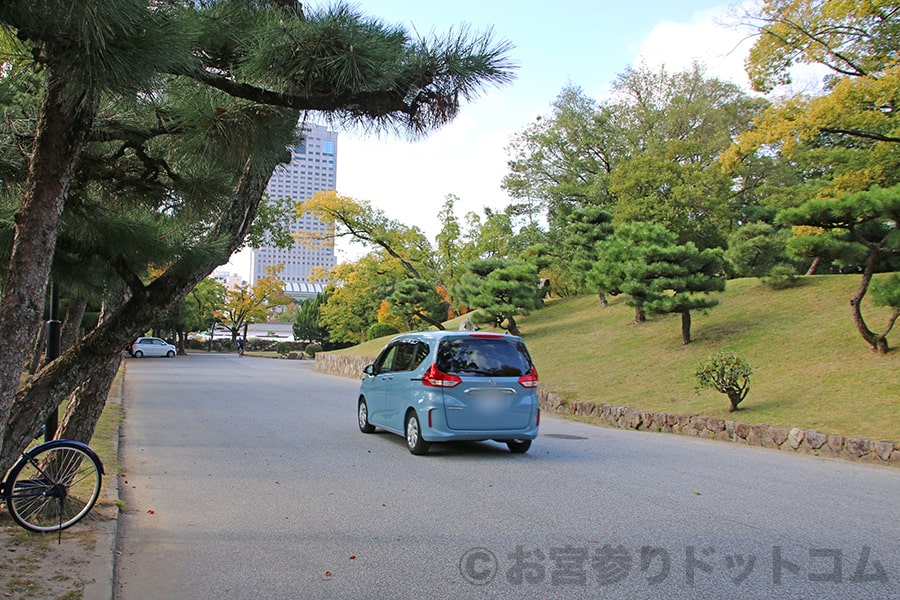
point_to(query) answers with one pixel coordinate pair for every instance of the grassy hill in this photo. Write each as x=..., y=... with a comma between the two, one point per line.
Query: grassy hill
x=811, y=368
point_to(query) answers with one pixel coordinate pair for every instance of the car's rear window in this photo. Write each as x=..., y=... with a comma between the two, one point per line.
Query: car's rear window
x=490, y=357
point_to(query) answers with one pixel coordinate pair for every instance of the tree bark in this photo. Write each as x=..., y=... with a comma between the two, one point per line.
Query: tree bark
x=603, y=301
x=60, y=134
x=71, y=326
x=87, y=403
x=814, y=265
x=512, y=327
x=877, y=342
x=685, y=328
x=639, y=315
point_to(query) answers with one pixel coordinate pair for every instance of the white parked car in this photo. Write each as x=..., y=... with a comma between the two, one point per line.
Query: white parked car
x=151, y=346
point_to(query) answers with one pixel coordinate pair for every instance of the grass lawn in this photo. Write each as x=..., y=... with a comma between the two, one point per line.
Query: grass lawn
x=811, y=368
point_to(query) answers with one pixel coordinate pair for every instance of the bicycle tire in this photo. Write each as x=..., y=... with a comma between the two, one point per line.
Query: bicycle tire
x=54, y=485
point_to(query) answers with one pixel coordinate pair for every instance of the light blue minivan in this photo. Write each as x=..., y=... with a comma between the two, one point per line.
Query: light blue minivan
x=439, y=386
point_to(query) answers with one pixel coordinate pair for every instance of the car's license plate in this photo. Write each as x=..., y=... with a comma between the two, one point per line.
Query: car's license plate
x=492, y=402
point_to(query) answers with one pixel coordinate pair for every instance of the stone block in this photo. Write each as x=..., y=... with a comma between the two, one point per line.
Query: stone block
x=795, y=437
x=759, y=436
x=778, y=435
x=815, y=439
x=884, y=450
x=858, y=447
x=715, y=425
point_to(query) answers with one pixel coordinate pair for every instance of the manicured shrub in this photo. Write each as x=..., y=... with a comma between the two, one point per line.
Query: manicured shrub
x=728, y=373
x=312, y=349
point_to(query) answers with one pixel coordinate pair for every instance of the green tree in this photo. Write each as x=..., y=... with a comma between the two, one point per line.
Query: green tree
x=755, y=249
x=500, y=290
x=727, y=373
x=869, y=223
x=616, y=254
x=220, y=86
x=659, y=275
x=585, y=228
x=564, y=160
x=417, y=300
x=308, y=323
x=648, y=153
x=673, y=278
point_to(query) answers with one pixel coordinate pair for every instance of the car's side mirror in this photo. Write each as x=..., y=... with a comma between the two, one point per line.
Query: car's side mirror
x=369, y=369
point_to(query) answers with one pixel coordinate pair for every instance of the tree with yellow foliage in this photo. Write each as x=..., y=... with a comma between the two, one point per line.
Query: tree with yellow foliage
x=255, y=303
x=853, y=126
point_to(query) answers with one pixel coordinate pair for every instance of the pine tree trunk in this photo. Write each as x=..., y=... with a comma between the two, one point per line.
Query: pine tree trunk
x=71, y=326
x=639, y=315
x=60, y=134
x=512, y=327
x=878, y=343
x=813, y=267
x=686, y=328
x=603, y=302
x=87, y=403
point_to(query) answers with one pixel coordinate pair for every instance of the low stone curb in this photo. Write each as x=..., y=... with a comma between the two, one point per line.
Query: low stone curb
x=793, y=439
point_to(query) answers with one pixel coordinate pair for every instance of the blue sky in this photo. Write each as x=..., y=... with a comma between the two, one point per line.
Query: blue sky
x=556, y=43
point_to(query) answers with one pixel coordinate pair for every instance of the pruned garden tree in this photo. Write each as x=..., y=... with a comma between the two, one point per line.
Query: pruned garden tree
x=615, y=258
x=417, y=301
x=728, y=373
x=585, y=227
x=499, y=290
x=868, y=224
x=678, y=280
x=663, y=277
x=757, y=248
x=194, y=96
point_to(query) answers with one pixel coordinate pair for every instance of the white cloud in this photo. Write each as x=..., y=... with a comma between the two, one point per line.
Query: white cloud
x=704, y=39
x=410, y=180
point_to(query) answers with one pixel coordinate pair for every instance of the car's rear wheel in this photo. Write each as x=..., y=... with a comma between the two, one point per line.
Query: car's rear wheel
x=170, y=354
x=363, y=415
x=519, y=446
x=138, y=354
x=414, y=440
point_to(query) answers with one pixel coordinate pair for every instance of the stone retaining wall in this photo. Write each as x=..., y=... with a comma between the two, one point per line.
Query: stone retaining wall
x=805, y=441
x=343, y=365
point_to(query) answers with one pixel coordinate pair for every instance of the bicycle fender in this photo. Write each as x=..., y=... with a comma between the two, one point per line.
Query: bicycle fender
x=81, y=445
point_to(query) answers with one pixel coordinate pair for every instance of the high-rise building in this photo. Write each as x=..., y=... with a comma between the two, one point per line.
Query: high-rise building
x=313, y=168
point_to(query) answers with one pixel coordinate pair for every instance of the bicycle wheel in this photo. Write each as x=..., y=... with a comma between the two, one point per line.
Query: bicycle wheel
x=54, y=486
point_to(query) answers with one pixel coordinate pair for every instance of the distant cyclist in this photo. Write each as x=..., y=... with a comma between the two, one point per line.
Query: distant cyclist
x=240, y=346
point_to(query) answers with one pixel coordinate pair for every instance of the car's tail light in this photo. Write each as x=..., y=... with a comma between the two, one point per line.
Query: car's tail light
x=529, y=379
x=435, y=378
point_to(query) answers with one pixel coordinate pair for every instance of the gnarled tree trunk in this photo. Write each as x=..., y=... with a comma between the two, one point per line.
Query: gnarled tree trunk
x=60, y=133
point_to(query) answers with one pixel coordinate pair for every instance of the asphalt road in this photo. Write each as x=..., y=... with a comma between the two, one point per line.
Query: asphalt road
x=248, y=478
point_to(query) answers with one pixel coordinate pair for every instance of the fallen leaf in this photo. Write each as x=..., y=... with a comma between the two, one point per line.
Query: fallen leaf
x=352, y=557
x=151, y=512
